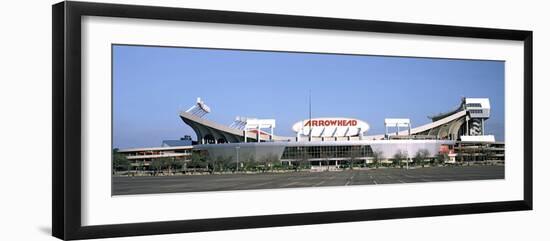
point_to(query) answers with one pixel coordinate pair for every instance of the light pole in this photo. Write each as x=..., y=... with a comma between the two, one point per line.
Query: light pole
x=237, y=149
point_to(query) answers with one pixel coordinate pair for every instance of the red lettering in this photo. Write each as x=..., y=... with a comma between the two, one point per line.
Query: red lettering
x=331, y=123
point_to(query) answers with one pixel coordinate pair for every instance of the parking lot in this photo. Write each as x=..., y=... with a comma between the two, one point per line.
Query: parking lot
x=123, y=185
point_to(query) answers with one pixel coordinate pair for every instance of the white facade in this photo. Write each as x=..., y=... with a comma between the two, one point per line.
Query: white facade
x=478, y=107
x=259, y=151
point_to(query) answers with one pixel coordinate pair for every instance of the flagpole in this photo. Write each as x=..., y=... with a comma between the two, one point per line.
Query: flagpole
x=309, y=114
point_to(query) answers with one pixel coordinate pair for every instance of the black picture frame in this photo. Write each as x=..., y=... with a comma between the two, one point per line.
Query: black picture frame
x=66, y=160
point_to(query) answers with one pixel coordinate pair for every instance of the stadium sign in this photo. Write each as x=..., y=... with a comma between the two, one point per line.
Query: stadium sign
x=333, y=127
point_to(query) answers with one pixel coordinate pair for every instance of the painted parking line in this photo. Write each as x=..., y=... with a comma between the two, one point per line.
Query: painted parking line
x=350, y=179
x=194, y=183
x=289, y=184
x=319, y=184
x=259, y=184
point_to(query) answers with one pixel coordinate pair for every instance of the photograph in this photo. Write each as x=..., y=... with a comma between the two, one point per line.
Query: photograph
x=188, y=119
x=174, y=119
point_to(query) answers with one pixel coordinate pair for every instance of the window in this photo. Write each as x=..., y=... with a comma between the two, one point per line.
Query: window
x=476, y=111
x=313, y=152
x=473, y=105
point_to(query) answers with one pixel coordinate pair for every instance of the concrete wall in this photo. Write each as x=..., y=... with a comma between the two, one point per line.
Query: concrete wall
x=260, y=151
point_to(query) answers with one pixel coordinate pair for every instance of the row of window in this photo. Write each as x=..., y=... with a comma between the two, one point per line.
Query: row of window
x=473, y=105
x=476, y=111
x=312, y=152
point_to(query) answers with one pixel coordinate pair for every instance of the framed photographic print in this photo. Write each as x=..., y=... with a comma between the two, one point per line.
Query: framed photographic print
x=169, y=120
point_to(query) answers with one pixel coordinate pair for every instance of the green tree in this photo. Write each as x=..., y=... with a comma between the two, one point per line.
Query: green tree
x=178, y=164
x=198, y=161
x=303, y=158
x=270, y=160
x=354, y=154
x=221, y=163
x=324, y=155
x=376, y=158
x=207, y=160
x=421, y=156
x=228, y=163
x=250, y=163
x=398, y=157
x=212, y=164
x=216, y=164
x=441, y=158
x=157, y=165
x=120, y=162
x=169, y=163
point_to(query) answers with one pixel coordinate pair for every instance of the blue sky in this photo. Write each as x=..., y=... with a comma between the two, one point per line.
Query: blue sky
x=152, y=84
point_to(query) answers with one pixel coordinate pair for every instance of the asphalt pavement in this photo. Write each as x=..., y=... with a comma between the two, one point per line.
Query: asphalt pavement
x=123, y=185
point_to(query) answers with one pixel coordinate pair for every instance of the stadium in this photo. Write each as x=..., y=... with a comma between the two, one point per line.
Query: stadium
x=332, y=142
